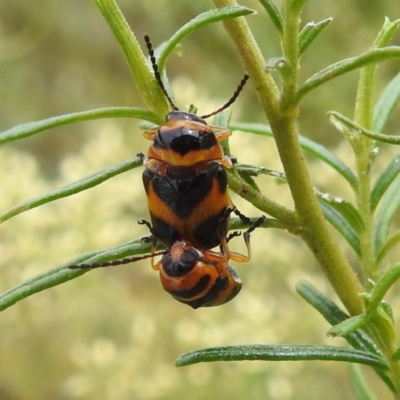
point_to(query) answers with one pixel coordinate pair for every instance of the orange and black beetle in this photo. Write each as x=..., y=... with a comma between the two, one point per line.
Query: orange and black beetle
x=202, y=278
x=198, y=278
x=193, y=277
x=185, y=178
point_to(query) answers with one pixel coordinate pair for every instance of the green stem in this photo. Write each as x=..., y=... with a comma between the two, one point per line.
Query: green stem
x=364, y=208
x=290, y=50
x=283, y=123
x=395, y=376
x=263, y=203
x=253, y=60
x=142, y=74
x=362, y=146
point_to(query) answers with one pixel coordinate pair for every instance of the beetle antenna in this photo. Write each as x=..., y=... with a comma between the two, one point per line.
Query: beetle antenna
x=157, y=72
x=121, y=261
x=231, y=100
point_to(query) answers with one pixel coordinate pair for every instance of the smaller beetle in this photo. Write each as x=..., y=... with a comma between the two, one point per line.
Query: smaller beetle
x=198, y=278
x=193, y=277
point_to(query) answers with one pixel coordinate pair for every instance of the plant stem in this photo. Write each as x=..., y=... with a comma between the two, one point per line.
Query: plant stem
x=363, y=115
x=362, y=145
x=282, y=118
x=262, y=202
x=142, y=75
x=364, y=207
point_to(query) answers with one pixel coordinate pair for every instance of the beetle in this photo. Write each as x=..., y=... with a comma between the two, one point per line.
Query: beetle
x=185, y=178
x=198, y=278
x=193, y=277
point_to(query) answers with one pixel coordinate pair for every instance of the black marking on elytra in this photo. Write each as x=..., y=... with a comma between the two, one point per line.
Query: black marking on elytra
x=182, y=195
x=164, y=231
x=184, y=294
x=209, y=232
x=221, y=283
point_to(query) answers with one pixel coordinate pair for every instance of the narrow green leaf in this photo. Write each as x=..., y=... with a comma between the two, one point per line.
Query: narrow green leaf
x=344, y=125
x=334, y=315
x=348, y=326
x=312, y=147
x=141, y=72
x=341, y=225
x=202, y=19
x=383, y=328
x=222, y=119
x=274, y=14
x=71, y=189
x=297, y=6
x=390, y=244
x=380, y=137
x=360, y=387
x=249, y=180
x=329, y=158
x=374, y=56
x=281, y=352
x=387, y=309
x=396, y=355
x=323, y=304
x=384, y=283
x=310, y=32
x=365, y=98
x=355, y=129
x=386, y=33
x=389, y=204
x=252, y=170
x=31, y=128
x=61, y=274
x=386, y=103
x=346, y=210
x=256, y=128
x=384, y=181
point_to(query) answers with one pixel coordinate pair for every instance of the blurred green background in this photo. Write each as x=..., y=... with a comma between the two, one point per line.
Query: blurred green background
x=113, y=333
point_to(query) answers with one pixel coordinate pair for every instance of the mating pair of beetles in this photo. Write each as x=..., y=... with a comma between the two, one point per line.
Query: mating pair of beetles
x=189, y=204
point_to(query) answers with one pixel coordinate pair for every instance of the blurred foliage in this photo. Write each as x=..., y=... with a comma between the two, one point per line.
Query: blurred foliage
x=113, y=334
